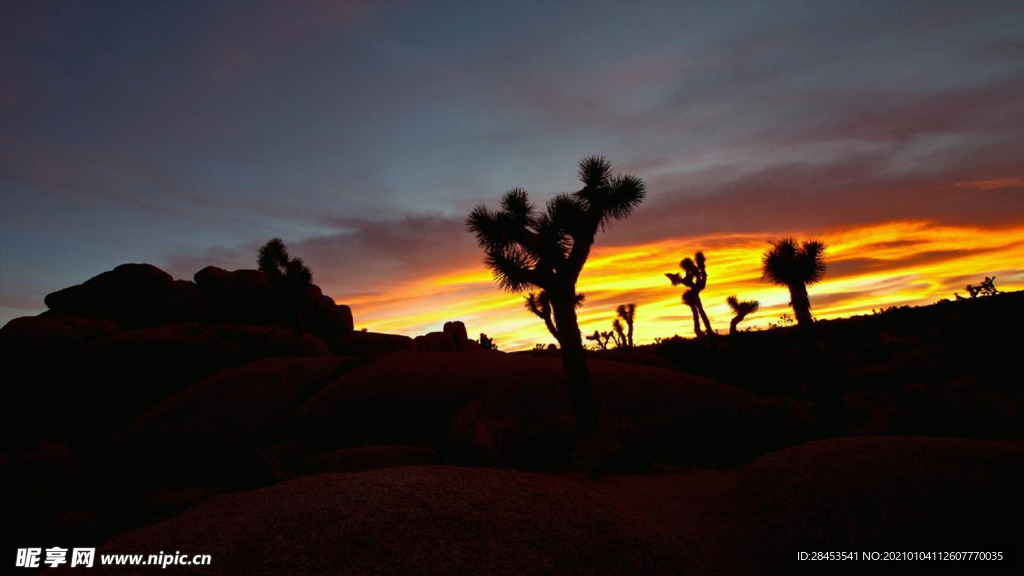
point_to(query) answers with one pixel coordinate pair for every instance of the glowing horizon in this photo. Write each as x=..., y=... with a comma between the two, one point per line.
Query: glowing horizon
x=912, y=262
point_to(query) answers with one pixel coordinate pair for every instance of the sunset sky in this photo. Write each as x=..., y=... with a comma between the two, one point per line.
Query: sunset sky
x=187, y=134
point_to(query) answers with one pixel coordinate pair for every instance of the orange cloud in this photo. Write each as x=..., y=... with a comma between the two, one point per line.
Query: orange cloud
x=892, y=263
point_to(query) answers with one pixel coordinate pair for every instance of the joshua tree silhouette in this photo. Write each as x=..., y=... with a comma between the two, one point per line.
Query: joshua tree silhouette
x=546, y=250
x=627, y=312
x=795, y=266
x=695, y=280
x=290, y=277
x=986, y=288
x=487, y=343
x=741, y=310
x=618, y=334
x=601, y=338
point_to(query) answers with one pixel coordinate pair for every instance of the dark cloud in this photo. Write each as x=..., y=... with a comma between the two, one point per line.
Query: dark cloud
x=363, y=252
x=362, y=133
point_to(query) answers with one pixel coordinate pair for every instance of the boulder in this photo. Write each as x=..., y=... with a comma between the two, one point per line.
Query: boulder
x=36, y=352
x=91, y=329
x=867, y=493
x=521, y=403
x=241, y=296
x=117, y=379
x=457, y=330
x=330, y=317
x=366, y=344
x=248, y=297
x=133, y=296
x=35, y=335
x=409, y=520
x=32, y=350
x=217, y=429
x=436, y=342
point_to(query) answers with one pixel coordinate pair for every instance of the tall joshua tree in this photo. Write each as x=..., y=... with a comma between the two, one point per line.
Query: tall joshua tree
x=530, y=249
x=795, y=266
x=695, y=280
x=290, y=277
x=741, y=310
x=627, y=312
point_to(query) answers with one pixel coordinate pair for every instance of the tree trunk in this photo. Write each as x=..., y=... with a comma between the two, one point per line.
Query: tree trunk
x=704, y=316
x=733, y=325
x=574, y=360
x=631, y=334
x=696, y=321
x=801, y=304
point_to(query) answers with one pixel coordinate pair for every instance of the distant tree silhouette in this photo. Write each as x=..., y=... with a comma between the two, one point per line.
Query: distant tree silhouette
x=290, y=277
x=986, y=288
x=989, y=286
x=486, y=343
x=601, y=338
x=695, y=280
x=627, y=312
x=740, y=310
x=546, y=250
x=795, y=266
x=618, y=334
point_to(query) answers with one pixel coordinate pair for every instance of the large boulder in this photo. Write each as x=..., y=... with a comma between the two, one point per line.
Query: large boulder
x=519, y=406
x=216, y=430
x=328, y=318
x=452, y=338
x=410, y=520
x=367, y=344
x=117, y=379
x=133, y=296
x=241, y=296
x=35, y=352
x=457, y=330
x=436, y=342
x=248, y=297
x=868, y=493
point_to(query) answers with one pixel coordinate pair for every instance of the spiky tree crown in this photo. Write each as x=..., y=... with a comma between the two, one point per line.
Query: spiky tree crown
x=272, y=259
x=743, y=308
x=788, y=262
x=527, y=248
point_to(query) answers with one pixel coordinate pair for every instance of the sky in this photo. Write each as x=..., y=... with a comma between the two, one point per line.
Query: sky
x=187, y=134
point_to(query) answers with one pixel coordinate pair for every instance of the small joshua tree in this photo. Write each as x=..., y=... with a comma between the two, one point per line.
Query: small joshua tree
x=486, y=343
x=695, y=280
x=627, y=312
x=290, y=277
x=741, y=310
x=618, y=334
x=795, y=266
x=545, y=250
x=601, y=339
x=986, y=288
